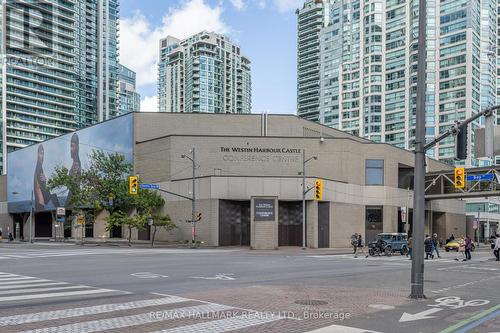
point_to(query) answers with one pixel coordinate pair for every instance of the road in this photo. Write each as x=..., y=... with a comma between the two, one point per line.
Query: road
x=65, y=288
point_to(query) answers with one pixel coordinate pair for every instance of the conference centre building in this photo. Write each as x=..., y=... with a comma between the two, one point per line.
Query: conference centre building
x=248, y=181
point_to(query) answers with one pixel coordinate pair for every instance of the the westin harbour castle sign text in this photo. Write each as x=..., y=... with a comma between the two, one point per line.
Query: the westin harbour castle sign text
x=261, y=154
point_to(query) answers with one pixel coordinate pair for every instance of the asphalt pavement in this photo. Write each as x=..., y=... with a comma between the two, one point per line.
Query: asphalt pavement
x=69, y=288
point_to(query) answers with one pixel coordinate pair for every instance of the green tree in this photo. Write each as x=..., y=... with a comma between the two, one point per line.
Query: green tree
x=120, y=218
x=161, y=222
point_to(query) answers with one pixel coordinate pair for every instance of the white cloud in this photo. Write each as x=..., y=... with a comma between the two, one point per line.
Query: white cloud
x=262, y=4
x=149, y=104
x=238, y=4
x=288, y=5
x=139, y=41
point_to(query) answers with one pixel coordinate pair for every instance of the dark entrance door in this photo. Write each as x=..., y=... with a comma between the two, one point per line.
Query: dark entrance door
x=234, y=223
x=145, y=234
x=116, y=232
x=290, y=223
x=43, y=224
x=323, y=224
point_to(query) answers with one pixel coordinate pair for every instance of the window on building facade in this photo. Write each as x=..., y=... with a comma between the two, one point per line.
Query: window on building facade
x=374, y=172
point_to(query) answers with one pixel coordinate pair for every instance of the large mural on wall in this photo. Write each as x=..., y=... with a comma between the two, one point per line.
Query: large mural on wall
x=28, y=169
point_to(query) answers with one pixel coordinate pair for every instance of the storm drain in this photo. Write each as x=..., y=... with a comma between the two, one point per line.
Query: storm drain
x=311, y=302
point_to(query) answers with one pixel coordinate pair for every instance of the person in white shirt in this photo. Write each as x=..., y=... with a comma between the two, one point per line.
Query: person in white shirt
x=497, y=248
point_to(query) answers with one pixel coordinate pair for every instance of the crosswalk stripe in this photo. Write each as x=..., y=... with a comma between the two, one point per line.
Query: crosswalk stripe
x=223, y=325
x=341, y=329
x=52, y=295
x=17, y=278
x=23, y=286
x=86, y=311
x=34, y=290
x=134, y=320
x=24, y=282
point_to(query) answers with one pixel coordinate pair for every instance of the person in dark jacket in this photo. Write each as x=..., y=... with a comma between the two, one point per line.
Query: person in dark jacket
x=428, y=247
x=468, y=248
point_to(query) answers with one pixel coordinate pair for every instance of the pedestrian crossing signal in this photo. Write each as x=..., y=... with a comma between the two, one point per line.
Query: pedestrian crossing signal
x=459, y=180
x=318, y=189
x=133, y=185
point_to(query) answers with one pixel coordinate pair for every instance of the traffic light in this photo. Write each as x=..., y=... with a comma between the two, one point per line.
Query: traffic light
x=459, y=181
x=461, y=144
x=318, y=189
x=197, y=217
x=133, y=185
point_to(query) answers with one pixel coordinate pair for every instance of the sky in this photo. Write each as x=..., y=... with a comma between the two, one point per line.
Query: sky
x=264, y=29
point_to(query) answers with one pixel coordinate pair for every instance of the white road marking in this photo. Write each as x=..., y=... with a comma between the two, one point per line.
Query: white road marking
x=24, y=282
x=382, y=306
x=24, y=286
x=223, y=325
x=61, y=294
x=17, y=278
x=148, y=275
x=216, y=277
x=426, y=314
x=341, y=329
x=35, y=290
x=134, y=320
x=86, y=311
x=468, y=284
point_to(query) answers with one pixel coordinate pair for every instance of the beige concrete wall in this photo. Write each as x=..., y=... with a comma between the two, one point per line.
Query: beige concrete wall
x=346, y=219
x=390, y=216
x=263, y=234
x=312, y=224
x=207, y=230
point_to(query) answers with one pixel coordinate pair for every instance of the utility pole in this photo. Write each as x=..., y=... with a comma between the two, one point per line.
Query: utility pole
x=417, y=263
x=193, y=198
x=304, y=192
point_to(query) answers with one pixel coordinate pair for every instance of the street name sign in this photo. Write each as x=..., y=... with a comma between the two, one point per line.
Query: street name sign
x=150, y=186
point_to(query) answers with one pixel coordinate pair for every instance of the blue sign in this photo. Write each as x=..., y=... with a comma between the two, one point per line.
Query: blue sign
x=61, y=219
x=150, y=186
x=479, y=178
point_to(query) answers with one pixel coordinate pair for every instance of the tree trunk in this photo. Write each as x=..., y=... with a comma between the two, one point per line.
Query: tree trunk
x=153, y=237
x=129, y=236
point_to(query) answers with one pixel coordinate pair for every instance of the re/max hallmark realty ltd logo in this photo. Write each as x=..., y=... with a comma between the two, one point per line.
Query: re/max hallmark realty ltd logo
x=29, y=32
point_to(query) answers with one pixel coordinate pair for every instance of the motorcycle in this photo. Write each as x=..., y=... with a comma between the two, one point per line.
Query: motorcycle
x=379, y=248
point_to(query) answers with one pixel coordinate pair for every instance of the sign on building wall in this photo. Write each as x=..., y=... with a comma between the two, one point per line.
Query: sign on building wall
x=264, y=209
x=30, y=168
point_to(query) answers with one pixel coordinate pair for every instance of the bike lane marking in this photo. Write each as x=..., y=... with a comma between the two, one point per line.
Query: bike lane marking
x=474, y=321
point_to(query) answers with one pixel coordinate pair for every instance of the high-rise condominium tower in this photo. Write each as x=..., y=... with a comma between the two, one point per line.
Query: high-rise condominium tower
x=357, y=65
x=203, y=73
x=129, y=100
x=59, y=68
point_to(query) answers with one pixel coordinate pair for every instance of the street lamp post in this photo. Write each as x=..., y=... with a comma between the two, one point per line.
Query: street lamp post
x=193, y=200
x=304, y=192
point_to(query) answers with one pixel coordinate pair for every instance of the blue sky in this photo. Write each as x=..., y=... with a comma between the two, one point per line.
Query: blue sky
x=265, y=30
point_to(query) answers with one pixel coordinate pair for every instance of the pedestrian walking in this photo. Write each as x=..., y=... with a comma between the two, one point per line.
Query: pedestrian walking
x=360, y=247
x=435, y=243
x=461, y=250
x=410, y=247
x=354, y=242
x=497, y=248
x=468, y=247
x=428, y=247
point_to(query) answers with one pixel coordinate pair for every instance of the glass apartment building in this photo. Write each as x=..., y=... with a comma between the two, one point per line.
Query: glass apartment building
x=203, y=73
x=129, y=100
x=362, y=62
x=59, y=68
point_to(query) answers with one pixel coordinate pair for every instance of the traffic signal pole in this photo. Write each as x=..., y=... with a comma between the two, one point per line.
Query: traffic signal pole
x=417, y=267
x=417, y=264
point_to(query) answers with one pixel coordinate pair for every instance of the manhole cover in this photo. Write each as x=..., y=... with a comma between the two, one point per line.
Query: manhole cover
x=311, y=302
